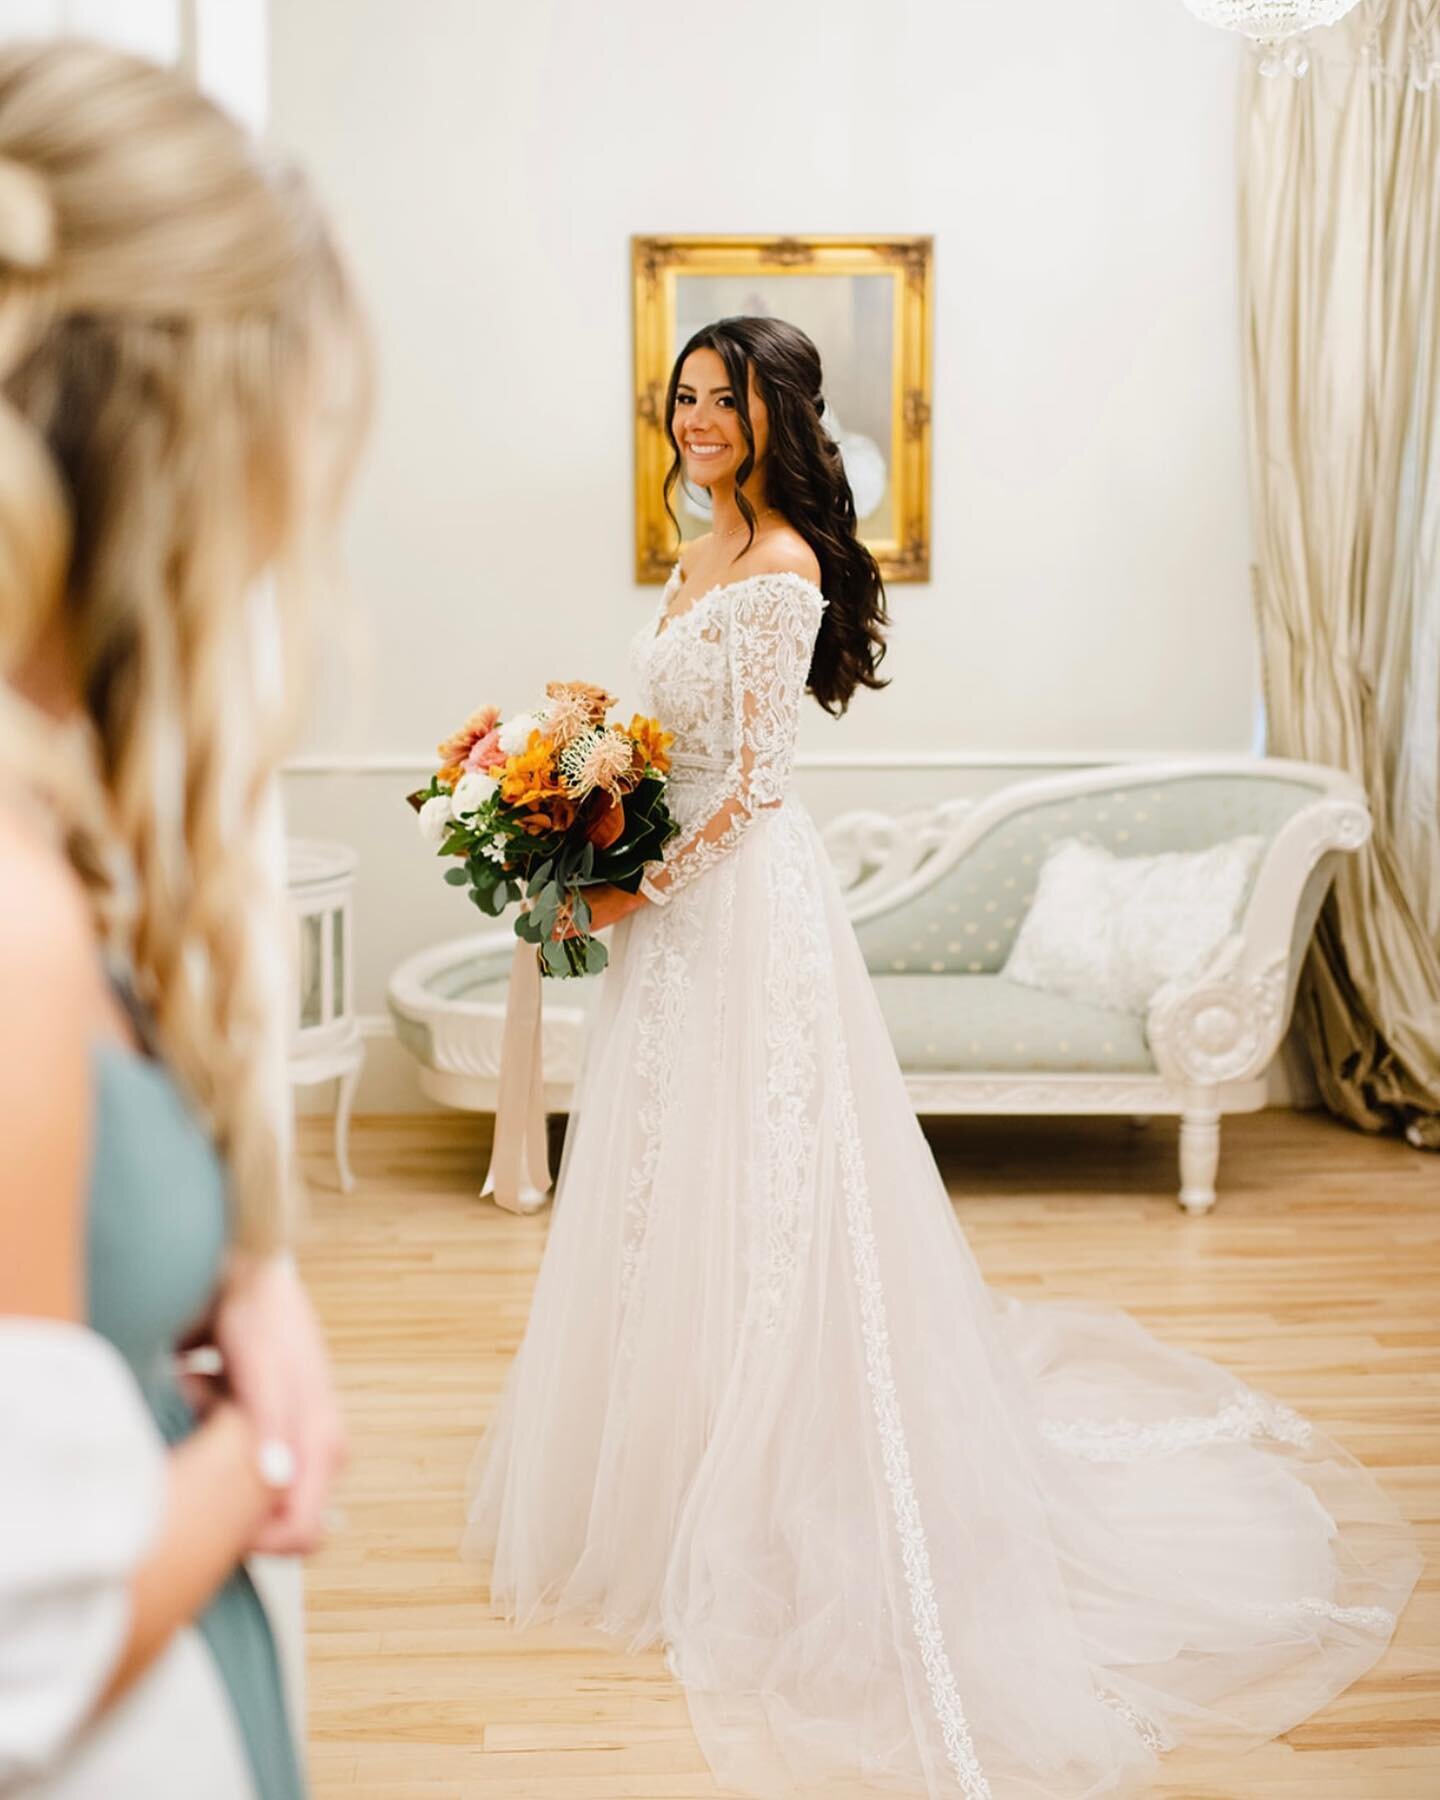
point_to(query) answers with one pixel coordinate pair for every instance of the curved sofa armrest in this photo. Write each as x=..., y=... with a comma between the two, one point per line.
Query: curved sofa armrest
x=965, y=826
x=874, y=854
x=1226, y=1024
x=484, y=954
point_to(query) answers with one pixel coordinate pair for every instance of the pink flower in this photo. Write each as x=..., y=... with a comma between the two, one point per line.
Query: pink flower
x=457, y=746
x=485, y=753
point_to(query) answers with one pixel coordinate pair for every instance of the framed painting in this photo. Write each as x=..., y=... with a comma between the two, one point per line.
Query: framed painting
x=866, y=302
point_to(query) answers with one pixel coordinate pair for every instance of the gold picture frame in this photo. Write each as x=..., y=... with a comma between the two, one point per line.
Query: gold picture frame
x=887, y=307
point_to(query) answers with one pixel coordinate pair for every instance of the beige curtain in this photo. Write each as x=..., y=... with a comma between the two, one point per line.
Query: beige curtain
x=1340, y=275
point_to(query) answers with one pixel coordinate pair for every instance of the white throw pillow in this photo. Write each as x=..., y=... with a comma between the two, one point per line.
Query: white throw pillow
x=1110, y=930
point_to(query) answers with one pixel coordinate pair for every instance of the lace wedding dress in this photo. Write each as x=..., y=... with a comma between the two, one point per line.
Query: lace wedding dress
x=896, y=1532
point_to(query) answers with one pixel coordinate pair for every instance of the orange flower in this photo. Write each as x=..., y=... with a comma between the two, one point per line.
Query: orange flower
x=556, y=814
x=530, y=778
x=651, y=743
x=453, y=751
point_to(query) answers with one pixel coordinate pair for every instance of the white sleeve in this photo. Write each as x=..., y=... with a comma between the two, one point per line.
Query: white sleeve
x=83, y=1478
x=771, y=637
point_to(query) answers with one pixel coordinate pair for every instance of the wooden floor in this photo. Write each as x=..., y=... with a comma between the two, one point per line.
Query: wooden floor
x=1317, y=1277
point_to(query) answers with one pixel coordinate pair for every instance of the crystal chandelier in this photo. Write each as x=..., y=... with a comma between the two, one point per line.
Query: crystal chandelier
x=1275, y=25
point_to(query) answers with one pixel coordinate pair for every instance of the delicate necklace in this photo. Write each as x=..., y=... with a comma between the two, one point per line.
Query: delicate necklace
x=769, y=512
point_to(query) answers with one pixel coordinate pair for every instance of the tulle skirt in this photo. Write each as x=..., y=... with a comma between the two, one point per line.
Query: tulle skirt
x=894, y=1531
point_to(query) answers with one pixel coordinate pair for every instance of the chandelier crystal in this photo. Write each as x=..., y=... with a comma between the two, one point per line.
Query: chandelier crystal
x=1275, y=25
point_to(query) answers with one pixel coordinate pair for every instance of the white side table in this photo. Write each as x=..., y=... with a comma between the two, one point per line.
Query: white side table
x=325, y=1042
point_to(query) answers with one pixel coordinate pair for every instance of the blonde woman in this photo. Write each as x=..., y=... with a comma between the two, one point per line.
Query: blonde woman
x=178, y=372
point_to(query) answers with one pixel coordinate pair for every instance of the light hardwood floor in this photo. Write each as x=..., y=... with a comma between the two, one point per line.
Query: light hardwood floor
x=1318, y=1277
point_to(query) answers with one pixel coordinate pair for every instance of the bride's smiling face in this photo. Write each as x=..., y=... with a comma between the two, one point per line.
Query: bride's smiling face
x=707, y=422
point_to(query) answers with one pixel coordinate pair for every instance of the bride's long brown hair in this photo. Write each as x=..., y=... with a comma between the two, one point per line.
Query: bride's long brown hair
x=182, y=379
x=805, y=482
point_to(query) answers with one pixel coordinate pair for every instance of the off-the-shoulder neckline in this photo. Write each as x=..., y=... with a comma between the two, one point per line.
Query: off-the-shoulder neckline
x=664, y=621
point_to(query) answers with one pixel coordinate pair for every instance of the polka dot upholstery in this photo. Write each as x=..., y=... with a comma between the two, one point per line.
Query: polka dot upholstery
x=966, y=922
x=988, y=1023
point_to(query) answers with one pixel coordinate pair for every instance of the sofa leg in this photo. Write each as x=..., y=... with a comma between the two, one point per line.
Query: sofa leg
x=1199, y=1157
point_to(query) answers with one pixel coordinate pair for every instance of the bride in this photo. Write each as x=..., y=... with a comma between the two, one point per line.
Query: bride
x=893, y=1530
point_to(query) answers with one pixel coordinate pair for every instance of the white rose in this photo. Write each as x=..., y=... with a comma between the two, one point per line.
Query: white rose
x=515, y=733
x=434, y=819
x=472, y=790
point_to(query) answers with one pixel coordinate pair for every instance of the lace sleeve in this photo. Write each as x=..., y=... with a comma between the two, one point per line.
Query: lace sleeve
x=773, y=624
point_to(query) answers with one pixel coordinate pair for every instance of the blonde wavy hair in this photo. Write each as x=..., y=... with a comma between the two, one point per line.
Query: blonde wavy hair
x=182, y=385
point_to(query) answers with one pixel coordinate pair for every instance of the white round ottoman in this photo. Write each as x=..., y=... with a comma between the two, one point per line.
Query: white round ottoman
x=448, y=1005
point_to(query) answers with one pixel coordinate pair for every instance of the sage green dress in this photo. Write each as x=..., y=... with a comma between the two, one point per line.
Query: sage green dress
x=157, y=1231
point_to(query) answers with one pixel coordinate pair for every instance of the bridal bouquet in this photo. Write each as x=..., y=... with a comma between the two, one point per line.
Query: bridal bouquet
x=545, y=804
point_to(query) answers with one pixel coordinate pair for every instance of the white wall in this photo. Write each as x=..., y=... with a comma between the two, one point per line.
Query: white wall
x=222, y=42
x=146, y=27
x=487, y=164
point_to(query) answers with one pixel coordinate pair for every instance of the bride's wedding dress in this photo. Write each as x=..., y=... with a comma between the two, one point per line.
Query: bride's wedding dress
x=895, y=1531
